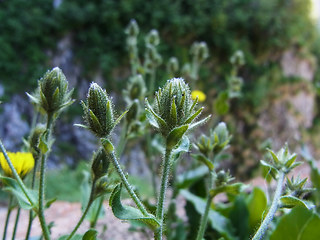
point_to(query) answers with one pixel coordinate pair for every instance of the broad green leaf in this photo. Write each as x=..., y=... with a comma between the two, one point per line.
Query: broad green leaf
x=13, y=187
x=175, y=136
x=124, y=212
x=256, y=203
x=239, y=216
x=218, y=222
x=291, y=202
x=91, y=234
x=299, y=224
x=187, y=178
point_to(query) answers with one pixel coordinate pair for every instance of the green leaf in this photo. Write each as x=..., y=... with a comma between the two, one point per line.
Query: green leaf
x=91, y=234
x=218, y=222
x=124, y=212
x=257, y=204
x=187, y=178
x=43, y=145
x=183, y=146
x=300, y=223
x=175, y=136
x=204, y=160
x=291, y=202
x=13, y=187
x=239, y=216
x=75, y=237
x=49, y=202
x=272, y=170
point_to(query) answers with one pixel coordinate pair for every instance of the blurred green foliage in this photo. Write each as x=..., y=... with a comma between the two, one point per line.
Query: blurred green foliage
x=30, y=31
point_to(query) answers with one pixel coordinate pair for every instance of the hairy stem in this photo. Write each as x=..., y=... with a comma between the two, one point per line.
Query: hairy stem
x=32, y=187
x=204, y=217
x=41, y=198
x=16, y=224
x=162, y=194
x=273, y=208
x=9, y=210
x=127, y=185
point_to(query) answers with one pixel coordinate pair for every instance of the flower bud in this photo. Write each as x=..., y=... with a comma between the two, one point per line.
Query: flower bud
x=173, y=66
x=173, y=108
x=186, y=70
x=132, y=29
x=34, y=139
x=133, y=111
x=200, y=51
x=136, y=89
x=100, y=164
x=153, y=38
x=52, y=94
x=237, y=59
x=220, y=137
x=98, y=112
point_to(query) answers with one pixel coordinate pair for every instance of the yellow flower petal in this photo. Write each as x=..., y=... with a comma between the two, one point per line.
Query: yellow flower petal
x=23, y=162
x=197, y=93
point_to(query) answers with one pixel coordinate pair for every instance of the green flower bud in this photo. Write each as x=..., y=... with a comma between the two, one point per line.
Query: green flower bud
x=34, y=139
x=173, y=66
x=282, y=161
x=237, y=59
x=133, y=111
x=200, y=51
x=52, y=94
x=103, y=186
x=296, y=187
x=132, y=29
x=98, y=112
x=153, y=38
x=100, y=164
x=136, y=89
x=186, y=70
x=173, y=109
x=204, y=145
x=220, y=137
x=153, y=56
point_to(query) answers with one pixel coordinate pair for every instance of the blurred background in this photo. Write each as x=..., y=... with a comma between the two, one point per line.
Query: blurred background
x=279, y=99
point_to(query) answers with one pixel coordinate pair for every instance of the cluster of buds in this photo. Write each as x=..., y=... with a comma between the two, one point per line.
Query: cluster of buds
x=211, y=145
x=282, y=161
x=98, y=110
x=296, y=187
x=174, y=112
x=52, y=94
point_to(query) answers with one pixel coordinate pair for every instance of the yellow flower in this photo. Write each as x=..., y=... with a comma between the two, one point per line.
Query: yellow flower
x=23, y=162
x=197, y=93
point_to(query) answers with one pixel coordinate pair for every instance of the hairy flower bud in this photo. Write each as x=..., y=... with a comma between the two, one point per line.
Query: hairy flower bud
x=237, y=58
x=200, y=51
x=173, y=66
x=132, y=29
x=136, y=89
x=174, y=109
x=52, y=94
x=100, y=164
x=34, y=139
x=220, y=137
x=153, y=38
x=98, y=112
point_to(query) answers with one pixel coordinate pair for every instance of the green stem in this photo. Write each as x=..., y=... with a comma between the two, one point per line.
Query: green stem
x=85, y=211
x=9, y=210
x=32, y=187
x=273, y=208
x=204, y=217
x=127, y=185
x=41, y=198
x=16, y=175
x=94, y=222
x=16, y=224
x=162, y=194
